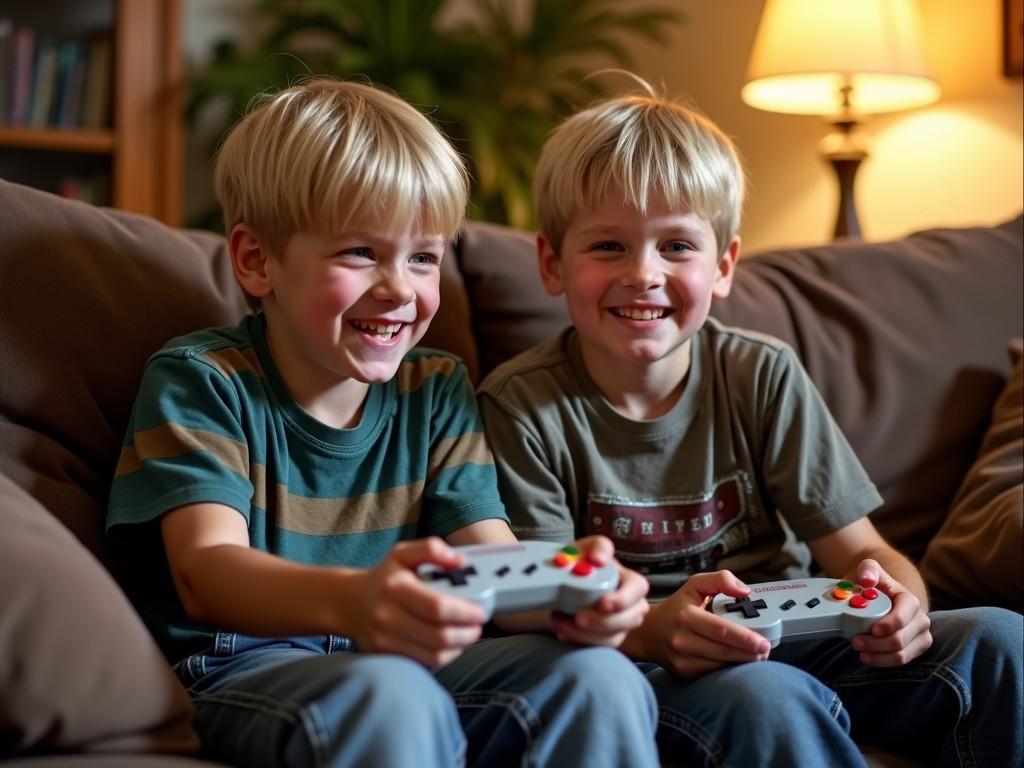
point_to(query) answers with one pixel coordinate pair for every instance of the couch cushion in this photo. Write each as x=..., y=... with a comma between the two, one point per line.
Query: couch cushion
x=906, y=340
x=78, y=670
x=451, y=329
x=87, y=295
x=976, y=557
x=510, y=309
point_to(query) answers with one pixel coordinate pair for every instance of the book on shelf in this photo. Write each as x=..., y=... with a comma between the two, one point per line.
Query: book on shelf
x=70, y=84
x=6, y=75
x=54, y=82
x=96, y=99
x=44, y=83
x=22, y=61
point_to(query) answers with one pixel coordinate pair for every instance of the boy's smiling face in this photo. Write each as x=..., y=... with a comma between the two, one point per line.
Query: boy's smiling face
x=638, y=285
x=344, y=308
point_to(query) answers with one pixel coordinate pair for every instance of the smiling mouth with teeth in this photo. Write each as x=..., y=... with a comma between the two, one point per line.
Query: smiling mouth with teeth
x=630, y=313
x=382, y=331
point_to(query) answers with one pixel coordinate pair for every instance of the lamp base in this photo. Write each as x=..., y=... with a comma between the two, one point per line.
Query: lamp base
x=845, y=149
x=847, y=224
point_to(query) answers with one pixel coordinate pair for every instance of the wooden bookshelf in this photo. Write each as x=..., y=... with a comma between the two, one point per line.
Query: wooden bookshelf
x=58, y=139
x=140, y=148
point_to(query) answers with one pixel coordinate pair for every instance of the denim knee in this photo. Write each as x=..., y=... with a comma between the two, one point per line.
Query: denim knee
x=394, y=689
x=383, y=693
x=757, y=714
x=332, y=710
x=606, y=674
x=773, y=691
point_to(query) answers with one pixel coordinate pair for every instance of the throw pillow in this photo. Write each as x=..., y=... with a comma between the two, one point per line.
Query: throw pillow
x=78, y=671
x=977, y=557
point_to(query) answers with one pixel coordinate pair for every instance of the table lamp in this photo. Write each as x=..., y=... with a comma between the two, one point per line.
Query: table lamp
x=843, y=60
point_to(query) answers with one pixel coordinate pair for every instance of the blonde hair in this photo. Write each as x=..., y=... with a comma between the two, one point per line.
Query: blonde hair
x=640, y=144
x=324, y=151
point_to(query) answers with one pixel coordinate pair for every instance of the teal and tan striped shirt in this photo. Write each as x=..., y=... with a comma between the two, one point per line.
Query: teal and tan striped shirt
x=214, y=422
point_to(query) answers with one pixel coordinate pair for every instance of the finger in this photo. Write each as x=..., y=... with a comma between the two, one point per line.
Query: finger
x=870, y=573
x=718, y=630
x=598, y=621
x=895, y=641
x=898, y=658
x=419, y=600
x=906, y=608
x=599, y=550
x=632, y=589
x=396, y=631
x=411, y=554
x=686, y=651
x=716, y=583
x=744, y=650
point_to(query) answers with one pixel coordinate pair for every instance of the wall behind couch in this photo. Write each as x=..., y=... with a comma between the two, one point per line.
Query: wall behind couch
x=958, y=162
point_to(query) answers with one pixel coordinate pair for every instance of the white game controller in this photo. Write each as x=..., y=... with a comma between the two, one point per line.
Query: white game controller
x=523, y=576
x=805, y=609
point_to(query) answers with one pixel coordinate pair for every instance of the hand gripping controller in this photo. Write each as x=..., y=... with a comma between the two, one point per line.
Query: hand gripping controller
x=805, y=609
x=523, y=576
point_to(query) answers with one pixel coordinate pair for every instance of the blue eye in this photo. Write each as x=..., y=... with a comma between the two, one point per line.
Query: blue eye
x=678, y=246
x=358, y=253
x=606, y=245
x=427, y=259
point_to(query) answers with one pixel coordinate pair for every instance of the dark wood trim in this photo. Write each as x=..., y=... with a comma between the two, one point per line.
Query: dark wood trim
x=1013, y=38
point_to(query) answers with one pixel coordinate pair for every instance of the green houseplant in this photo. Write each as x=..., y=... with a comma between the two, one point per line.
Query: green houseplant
x=496, y=75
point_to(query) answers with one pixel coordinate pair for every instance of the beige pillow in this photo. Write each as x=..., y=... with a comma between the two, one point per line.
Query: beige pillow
x=977, y=557
x=78, y=671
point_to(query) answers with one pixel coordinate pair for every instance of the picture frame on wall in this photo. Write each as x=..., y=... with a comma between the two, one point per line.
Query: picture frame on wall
x=1013, y=38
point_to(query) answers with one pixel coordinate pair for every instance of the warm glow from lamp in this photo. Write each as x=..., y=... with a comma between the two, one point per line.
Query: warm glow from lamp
x=841, y=59
x=807, y=50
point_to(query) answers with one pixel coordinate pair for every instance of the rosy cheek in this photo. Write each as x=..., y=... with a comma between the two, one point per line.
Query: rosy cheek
x=428, y=306
x=325, y=304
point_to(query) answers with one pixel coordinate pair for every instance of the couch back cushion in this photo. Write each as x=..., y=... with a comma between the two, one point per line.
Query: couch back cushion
x=87, y=294
x=906, y=340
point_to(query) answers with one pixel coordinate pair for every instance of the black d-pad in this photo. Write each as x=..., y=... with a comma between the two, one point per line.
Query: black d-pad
x=457, y=576
x=748, y=607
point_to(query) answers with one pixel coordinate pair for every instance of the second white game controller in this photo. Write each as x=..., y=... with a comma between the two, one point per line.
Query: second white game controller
x=805, y=609
x=524, y=576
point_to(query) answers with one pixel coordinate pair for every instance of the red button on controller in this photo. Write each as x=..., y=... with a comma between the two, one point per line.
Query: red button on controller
x=582, y=568
x=870, y=593
x=857, y=601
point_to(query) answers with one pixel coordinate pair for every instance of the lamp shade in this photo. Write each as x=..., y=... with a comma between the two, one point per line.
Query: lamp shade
x=808, y=51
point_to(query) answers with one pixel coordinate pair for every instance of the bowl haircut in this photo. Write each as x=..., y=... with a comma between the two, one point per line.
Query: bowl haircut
x=638, y=146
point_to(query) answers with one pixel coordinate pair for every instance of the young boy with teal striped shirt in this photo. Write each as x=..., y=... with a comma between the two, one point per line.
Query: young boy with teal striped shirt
x=280, y=481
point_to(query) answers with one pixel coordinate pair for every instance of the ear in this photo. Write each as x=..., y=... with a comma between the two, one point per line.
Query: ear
x=249, y=261
x=550, y=266
x=726, y=269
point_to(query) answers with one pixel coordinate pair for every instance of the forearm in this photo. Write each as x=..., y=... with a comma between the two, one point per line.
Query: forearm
x=255, y=593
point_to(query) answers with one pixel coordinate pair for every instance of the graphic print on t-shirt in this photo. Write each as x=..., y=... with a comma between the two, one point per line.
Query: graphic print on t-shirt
x=666, y=533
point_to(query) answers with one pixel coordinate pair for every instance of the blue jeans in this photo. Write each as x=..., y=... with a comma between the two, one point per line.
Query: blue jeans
x=811, y=703
x=521, y=700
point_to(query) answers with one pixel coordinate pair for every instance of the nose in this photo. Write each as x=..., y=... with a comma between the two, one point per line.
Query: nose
x=394, y=286
x=642, y=270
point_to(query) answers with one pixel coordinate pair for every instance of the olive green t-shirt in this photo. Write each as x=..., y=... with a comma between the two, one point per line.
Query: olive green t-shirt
x=746, y=466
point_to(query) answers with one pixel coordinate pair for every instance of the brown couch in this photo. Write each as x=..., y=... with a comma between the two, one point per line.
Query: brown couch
x=907, y=340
